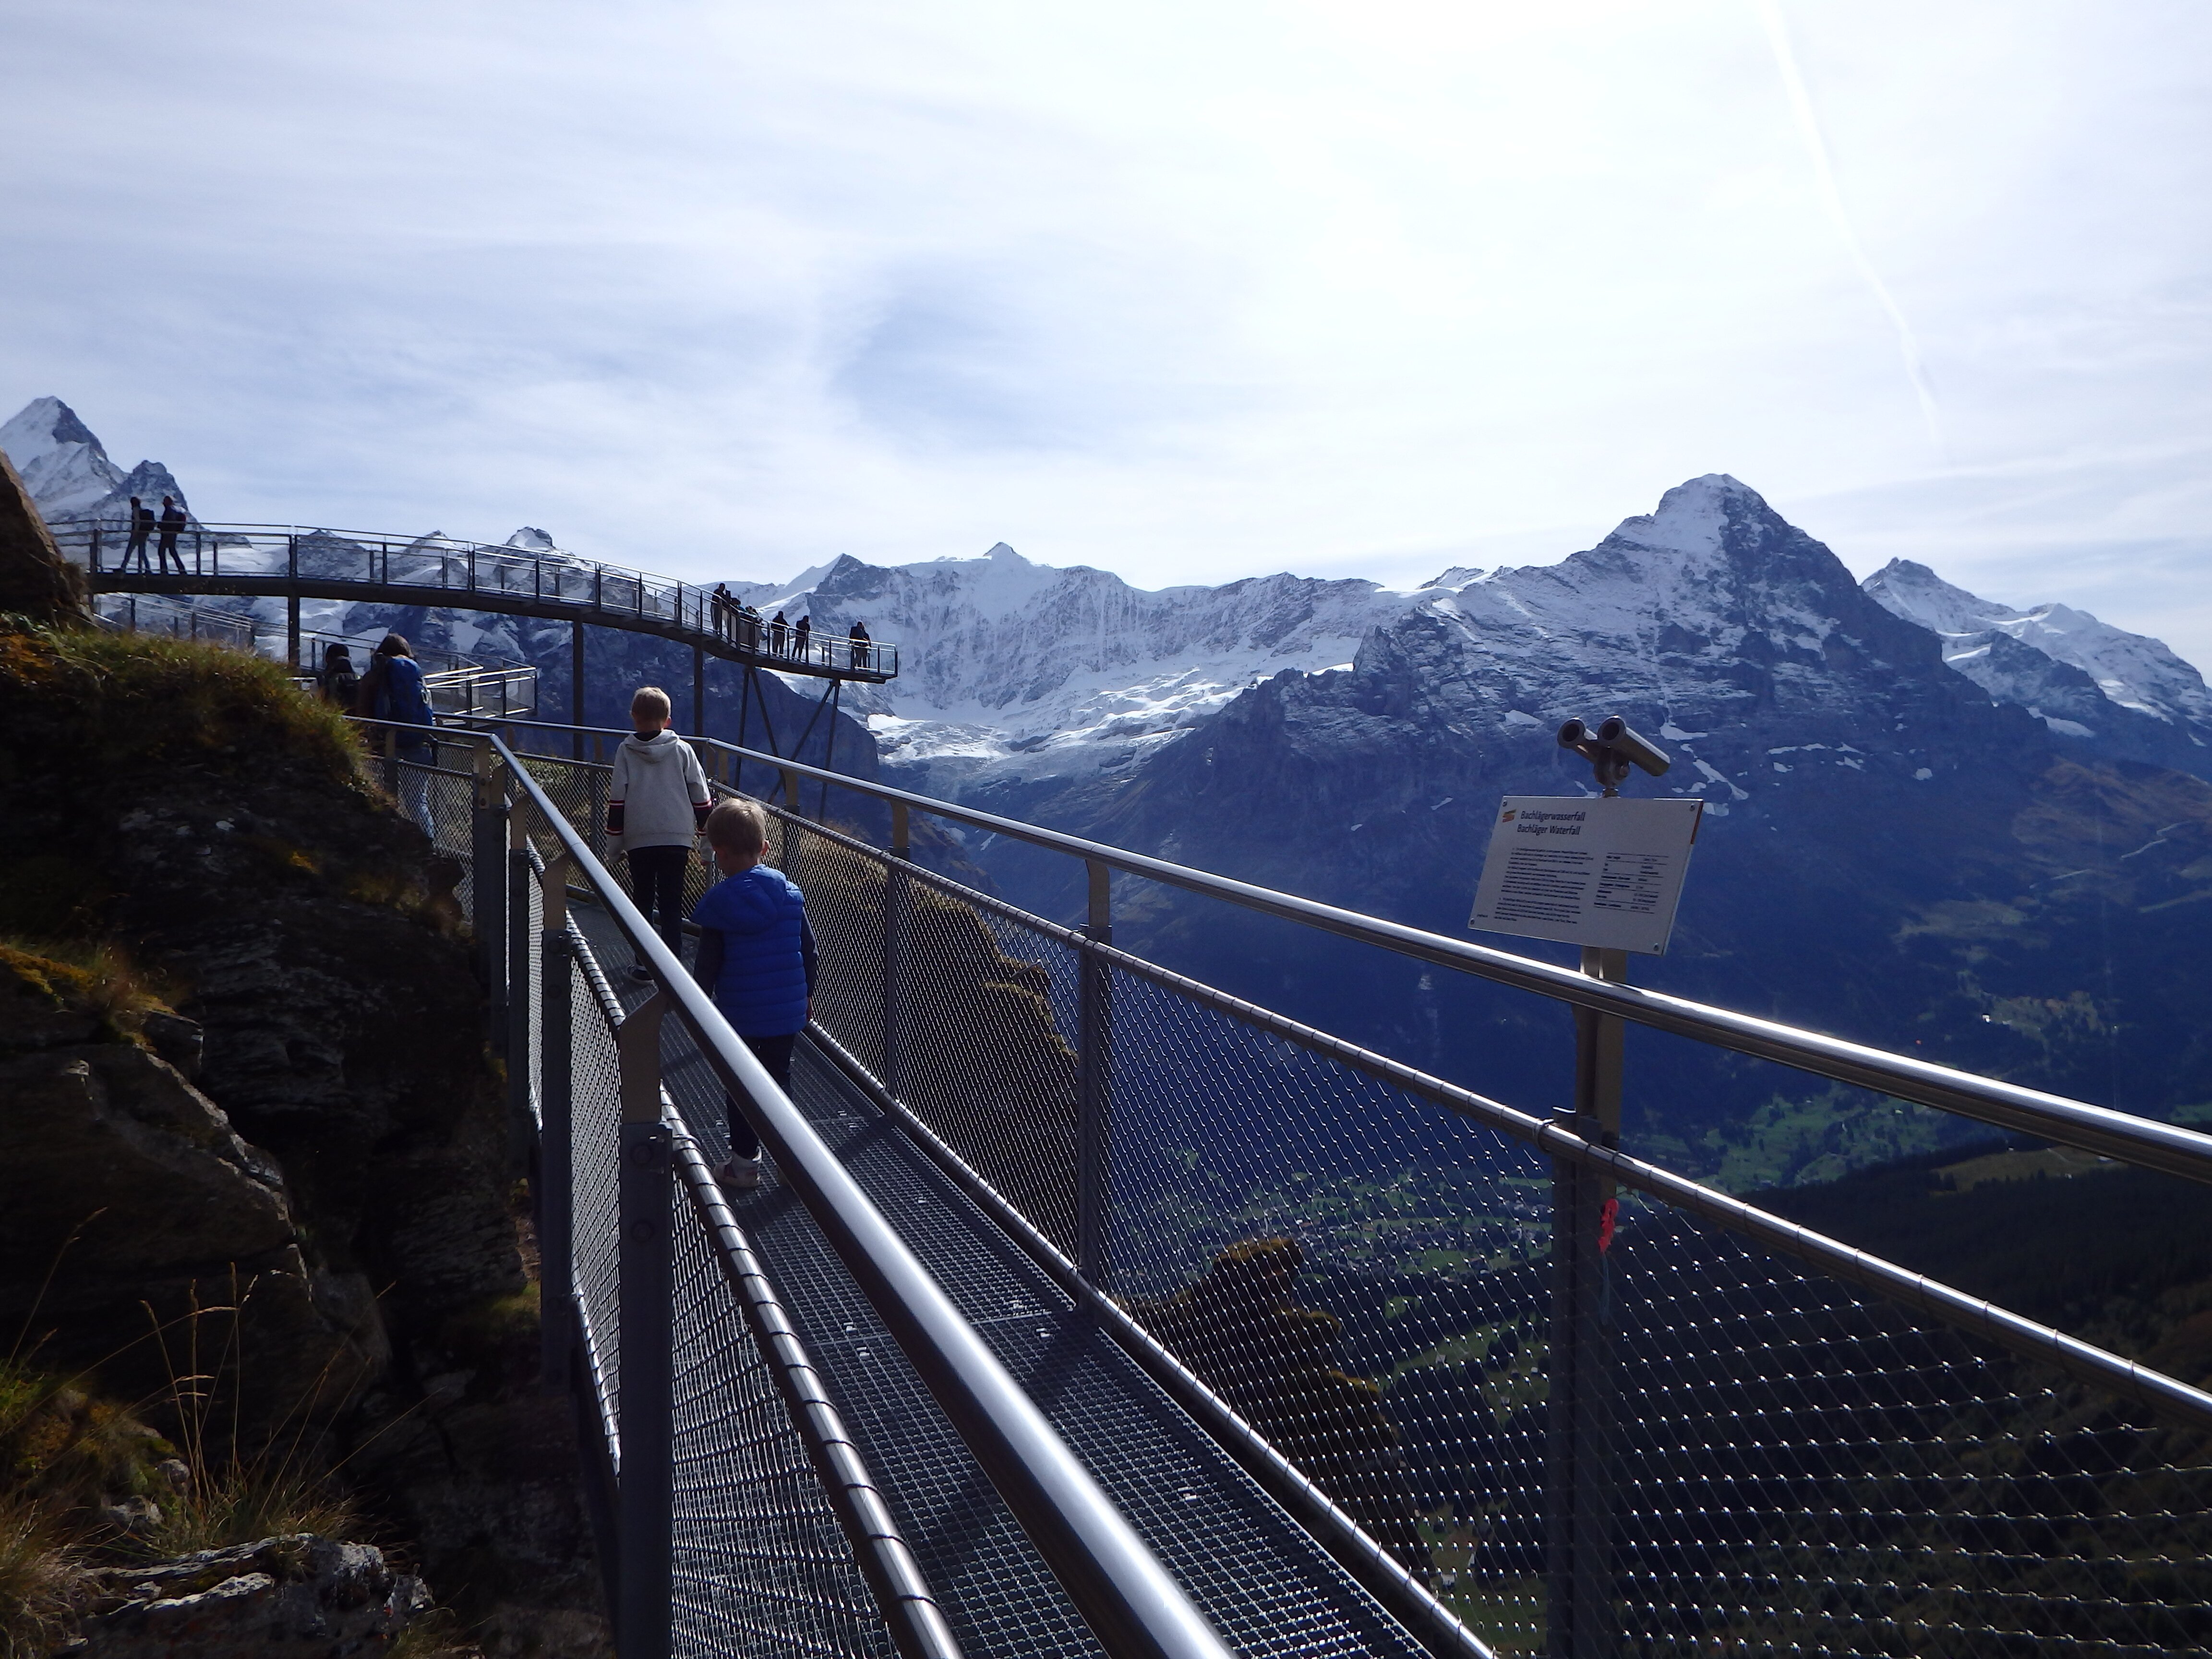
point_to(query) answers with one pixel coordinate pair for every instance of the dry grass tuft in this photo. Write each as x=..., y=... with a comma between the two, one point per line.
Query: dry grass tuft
x=39, y=1571
x=99, y=977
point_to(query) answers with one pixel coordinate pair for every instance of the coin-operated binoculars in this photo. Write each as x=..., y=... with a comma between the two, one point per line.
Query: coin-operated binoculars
x=1611, y=750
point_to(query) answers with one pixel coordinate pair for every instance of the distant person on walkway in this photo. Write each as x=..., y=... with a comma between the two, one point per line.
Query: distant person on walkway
x=756, y=958
x=393, y=690
x=340, y=684
x=859, y=639
x=777, y=629
x=141, y=526
x=749, y=628
x=657, y=804
x=801, y=637
x=723, y=607
x=172, y=520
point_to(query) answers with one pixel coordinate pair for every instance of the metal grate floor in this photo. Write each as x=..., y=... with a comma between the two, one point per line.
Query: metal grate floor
x=1268, y=1587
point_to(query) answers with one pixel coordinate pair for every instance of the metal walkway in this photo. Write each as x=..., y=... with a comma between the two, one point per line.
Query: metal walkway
x=1033, y=1328
x=1263, y=1580
x=292, y=562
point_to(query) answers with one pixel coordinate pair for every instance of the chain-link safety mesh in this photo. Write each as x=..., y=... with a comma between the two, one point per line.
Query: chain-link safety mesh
x=595, y=1136
x=760, y=1565
x=1268, y=1587
x=1763, y=1460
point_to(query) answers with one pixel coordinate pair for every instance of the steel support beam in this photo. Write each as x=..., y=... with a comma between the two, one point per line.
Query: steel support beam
x=1581, y=1618
x=1094, y=1086
x=522, y=1134
x=576, y=684
x=644, y=1496
x=556, y=1169
x=488, y=886
x=897, y=898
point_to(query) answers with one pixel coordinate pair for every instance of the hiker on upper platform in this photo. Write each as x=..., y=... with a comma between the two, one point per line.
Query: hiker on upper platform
x=141, y=526
x=172, y=520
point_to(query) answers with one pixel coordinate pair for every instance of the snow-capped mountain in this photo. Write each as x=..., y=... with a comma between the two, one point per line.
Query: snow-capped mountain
x=69, y=473
x=1015, y=675
x=2084, y=679
x=1009, y=668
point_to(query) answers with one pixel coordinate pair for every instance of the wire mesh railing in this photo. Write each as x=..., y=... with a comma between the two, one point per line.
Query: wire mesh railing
x=1652, y=1435
x=738, y=1515
x=1522, y=1385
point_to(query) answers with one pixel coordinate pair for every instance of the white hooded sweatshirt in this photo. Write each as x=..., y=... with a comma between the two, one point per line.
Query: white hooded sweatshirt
x=656, y=791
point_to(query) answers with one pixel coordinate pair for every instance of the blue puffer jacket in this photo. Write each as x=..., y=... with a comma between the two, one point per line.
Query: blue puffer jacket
x=767, y=948
x=401, y=698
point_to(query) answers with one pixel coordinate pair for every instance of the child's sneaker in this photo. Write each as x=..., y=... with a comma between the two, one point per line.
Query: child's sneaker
x=739, y=1175
x=640, y=973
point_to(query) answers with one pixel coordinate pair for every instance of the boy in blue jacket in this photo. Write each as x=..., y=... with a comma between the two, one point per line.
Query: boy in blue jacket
x=756, y=959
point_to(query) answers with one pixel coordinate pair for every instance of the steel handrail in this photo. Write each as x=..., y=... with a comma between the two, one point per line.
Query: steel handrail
x=1131, y=1602
x=918, y=1626
x=2144, y=1142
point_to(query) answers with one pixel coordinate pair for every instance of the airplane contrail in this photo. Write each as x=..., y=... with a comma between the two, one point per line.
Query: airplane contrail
x=1809, y=126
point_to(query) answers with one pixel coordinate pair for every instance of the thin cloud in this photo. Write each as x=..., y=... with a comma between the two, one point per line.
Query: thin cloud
x=1832, y=202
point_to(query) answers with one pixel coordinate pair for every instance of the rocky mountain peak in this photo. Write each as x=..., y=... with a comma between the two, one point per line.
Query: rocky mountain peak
x=2050, y=660
x=64, y=466
x=46, y=423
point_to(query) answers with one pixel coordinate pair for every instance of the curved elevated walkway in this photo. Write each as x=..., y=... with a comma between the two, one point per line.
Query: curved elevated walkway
x=289, y=561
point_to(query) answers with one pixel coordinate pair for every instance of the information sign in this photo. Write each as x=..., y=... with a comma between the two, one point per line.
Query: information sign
x=1590, y=870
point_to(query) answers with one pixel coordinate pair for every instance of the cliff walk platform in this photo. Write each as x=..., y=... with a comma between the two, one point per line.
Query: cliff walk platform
x=292, y=562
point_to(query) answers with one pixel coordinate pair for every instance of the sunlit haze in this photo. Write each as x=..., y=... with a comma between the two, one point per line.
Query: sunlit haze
x=1187, y=292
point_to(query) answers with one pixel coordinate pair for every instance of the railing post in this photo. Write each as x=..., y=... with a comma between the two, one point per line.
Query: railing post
x=644, y=1495
x=1580, y=1614
x=487, y=881
x=576, y=684
x=895, y=908
x=521, y=1127
x=292, y=630
x=1094, y=1085
x=557, y=1278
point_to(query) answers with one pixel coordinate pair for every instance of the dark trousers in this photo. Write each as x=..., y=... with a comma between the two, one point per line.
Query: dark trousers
x=773, y=1054
x=656, y=885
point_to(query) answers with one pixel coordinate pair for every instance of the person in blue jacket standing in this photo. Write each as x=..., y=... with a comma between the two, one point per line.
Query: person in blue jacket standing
x=756, y=958
x=392, y=689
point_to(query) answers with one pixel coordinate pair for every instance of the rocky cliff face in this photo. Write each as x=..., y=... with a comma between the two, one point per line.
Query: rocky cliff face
x=308, y=1115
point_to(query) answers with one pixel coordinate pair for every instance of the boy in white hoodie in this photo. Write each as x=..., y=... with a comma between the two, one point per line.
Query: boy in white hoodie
x=656, y=803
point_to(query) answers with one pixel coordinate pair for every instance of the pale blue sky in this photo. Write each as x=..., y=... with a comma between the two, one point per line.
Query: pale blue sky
x=1187, y=291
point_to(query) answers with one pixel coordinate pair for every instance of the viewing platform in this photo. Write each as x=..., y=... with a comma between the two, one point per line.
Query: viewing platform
x=293, y=561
